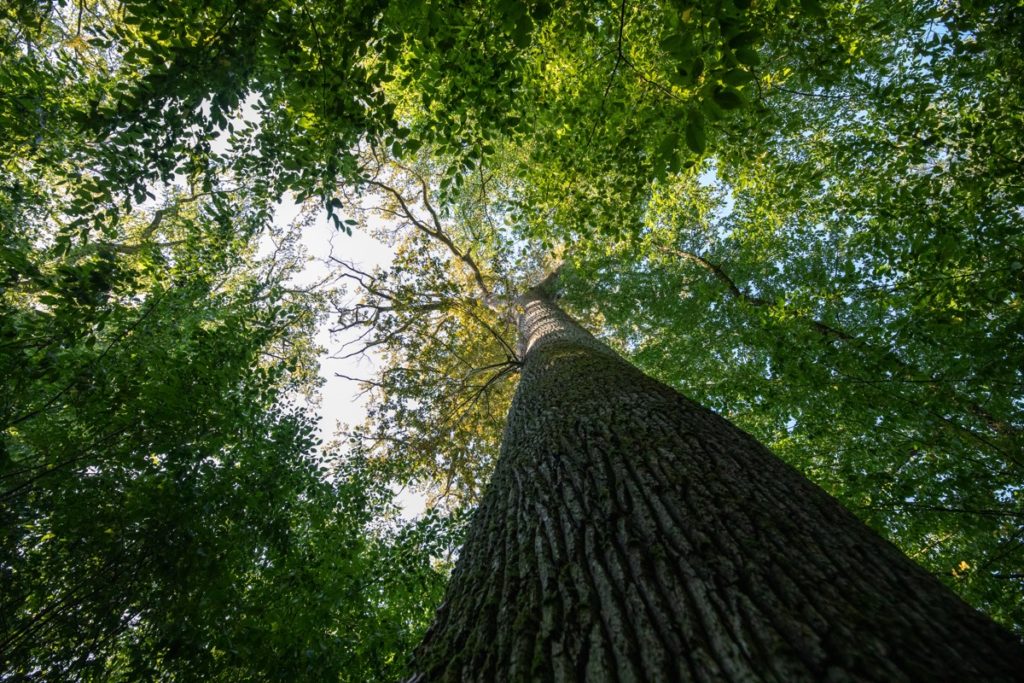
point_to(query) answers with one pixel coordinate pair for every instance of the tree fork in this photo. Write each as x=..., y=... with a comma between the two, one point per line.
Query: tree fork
x=631, y=534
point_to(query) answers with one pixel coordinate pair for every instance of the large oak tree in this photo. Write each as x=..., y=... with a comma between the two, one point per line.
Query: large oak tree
x=804, y=214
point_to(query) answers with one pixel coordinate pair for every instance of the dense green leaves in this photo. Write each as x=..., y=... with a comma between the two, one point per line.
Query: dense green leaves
x=163, y=511
x=805, y=214
x=166, y=510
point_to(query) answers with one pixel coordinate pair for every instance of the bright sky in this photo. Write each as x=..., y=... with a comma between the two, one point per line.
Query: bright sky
x=341, y=402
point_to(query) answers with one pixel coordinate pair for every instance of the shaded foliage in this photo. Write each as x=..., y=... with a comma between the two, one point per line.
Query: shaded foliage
x=166, y=509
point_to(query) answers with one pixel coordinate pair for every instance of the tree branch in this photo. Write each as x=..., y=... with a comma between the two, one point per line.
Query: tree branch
x=437, y=232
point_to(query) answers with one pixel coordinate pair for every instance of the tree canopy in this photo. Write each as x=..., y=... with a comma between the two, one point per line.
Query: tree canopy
x=805, y=215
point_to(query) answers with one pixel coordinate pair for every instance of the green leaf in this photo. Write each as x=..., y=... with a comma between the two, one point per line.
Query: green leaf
x=695, y=137
x=747, y=55
x=737, y=77
x=678, y=46
x=743, y=38
x=812, y=8
x=523, y=32
x=727, y=98
x=668, y=146
x=697, y=68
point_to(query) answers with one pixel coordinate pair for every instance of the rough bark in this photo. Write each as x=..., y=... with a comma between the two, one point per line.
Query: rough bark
x=630, y=534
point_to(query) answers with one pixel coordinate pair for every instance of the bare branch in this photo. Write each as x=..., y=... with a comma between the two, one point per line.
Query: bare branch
x=437, y=231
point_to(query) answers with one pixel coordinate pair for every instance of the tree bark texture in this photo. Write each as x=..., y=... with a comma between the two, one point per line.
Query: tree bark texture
x=629, y=534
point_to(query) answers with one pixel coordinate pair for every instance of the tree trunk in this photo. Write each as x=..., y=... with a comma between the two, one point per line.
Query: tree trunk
x=630, y=534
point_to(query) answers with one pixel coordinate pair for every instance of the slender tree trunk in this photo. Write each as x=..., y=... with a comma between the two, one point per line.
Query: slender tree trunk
x=630, y=534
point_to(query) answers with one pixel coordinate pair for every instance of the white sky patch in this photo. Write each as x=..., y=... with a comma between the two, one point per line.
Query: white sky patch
x=342, y=401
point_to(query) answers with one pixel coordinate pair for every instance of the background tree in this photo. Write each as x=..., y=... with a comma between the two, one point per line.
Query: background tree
x=166, y=508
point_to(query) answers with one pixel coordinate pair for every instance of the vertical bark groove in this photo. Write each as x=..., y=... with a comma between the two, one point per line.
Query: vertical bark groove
x=629, y=534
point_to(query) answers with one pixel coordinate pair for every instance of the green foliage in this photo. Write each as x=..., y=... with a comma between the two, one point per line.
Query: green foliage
x=842, y=282
x=804, y=214
x=166, y=512
x=163, y=510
